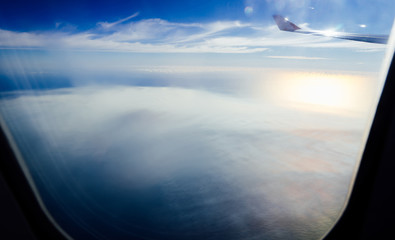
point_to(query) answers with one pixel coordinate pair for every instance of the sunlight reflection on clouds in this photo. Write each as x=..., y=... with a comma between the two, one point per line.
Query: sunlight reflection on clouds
x=230, y=161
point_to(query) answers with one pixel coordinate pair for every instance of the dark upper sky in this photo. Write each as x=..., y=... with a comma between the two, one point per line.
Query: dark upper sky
x=22, y=15
x=43, y=14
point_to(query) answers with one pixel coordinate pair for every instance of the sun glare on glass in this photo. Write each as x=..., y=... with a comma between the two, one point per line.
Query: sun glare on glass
x=335, y=91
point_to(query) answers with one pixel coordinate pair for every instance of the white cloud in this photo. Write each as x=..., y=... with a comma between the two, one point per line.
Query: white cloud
x=297, y=57
x=120, y=137
x=109, y=25
x=157, y=35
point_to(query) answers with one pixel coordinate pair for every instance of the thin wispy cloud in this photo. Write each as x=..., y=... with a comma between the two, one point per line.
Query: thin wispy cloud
x=109, y=25
x=158, y=35
x=298, y=57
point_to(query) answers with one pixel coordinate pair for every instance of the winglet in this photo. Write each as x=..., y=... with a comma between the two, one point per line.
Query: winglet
x=285, y=25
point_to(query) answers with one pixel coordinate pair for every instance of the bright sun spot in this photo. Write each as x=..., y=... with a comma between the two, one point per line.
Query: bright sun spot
x=329, y=32
x=327, y=91
x=324, y=90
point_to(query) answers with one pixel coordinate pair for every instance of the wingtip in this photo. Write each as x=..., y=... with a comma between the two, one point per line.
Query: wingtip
x=283, y=23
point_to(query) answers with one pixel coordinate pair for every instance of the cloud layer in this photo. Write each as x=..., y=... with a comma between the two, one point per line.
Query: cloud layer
x=209, y=163
x=161, y=36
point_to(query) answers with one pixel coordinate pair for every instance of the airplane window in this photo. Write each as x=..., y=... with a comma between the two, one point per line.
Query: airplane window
x=192, y=119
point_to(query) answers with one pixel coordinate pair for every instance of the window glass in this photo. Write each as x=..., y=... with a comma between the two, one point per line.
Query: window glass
x=192, y=119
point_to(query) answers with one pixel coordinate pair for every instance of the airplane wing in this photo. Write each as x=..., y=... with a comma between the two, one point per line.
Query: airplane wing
x=285, y=25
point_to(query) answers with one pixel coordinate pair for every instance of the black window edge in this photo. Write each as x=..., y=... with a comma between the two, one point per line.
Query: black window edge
x=40, y=223
x=370, y=211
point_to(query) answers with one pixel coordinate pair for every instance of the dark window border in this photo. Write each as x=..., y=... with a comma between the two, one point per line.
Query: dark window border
x=17, y=191
x=370, y=213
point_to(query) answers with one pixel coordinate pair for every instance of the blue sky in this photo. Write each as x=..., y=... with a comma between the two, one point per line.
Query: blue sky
x=185, y=26
x=19, y=15
x=120, y=34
